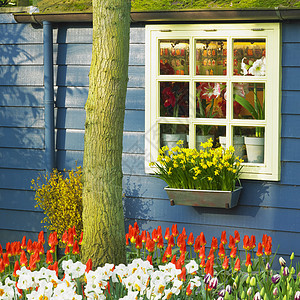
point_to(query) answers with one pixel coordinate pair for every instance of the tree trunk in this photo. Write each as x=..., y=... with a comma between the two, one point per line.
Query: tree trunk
x=103, y=219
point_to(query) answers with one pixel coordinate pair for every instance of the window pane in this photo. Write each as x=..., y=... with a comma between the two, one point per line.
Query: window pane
x=170, y=134
x=253, y=149
x=205, y=132
x=210, y=100
x=174, y=99
x=211, y=57
x=249, y=101
x=174, y=57
x=249, y=57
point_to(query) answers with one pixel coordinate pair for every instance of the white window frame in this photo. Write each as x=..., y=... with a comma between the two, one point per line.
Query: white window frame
x=270, y=169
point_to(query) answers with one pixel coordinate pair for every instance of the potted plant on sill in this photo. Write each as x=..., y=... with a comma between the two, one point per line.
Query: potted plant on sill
x=174, y=103
x=254, y=144
x=204, y=178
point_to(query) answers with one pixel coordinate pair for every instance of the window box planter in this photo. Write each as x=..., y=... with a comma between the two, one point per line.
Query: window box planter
x=204, y=198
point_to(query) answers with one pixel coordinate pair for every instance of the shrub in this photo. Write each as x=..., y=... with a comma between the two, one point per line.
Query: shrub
x=60, y=197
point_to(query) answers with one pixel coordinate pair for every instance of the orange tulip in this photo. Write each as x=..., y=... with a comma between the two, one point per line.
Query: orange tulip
x=182, y=275
x=8, y=249
x=202, y=252
x=16, y=268
x=197, y=244
x=76, y=248
x=89, y=265
x=252, y=242
x=202, y=263
x=268, y=248
x=259, y=250
x=223, y=238
x=236, y=237
x=49, y=258
x=67, y=250
x=2, y=266
x=233, y=252
x=202, y=239
x=144, y=236
x=175, y=230
x=171, y=241
x=149, y=258
x=221, y=252
x=168, y=251
x=23, y=244
x=23, y=259
x=167, y=234
x=65, y=237
x=81, y=238
x=246, y=242
x=225, y=264
x=173, y=260
x=237, y=265
x=189, y=291
x=41, y=237
x=231, y=242
x=5, y=259
x=248, y=260
x=150, y=245
x=190, y=239
x=160, y=243
x=159, y=231
x=183, y=233
x=154, y=235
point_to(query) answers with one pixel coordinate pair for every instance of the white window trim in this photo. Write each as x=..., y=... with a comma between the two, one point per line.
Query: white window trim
x=270, y=170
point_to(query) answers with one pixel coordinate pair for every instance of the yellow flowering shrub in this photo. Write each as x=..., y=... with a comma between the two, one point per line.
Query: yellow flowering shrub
x=60, y=197
x=207, y=169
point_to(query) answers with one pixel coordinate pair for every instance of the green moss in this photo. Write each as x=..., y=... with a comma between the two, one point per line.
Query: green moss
x=49, y=6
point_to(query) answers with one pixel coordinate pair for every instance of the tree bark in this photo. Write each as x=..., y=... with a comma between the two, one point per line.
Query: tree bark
x=103, y=219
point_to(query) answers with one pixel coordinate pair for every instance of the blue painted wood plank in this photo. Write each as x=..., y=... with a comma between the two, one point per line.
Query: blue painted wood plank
x=17, y=179
x=70, y=140
x=81, y=34
x=290, y=102
x=73, y=54
x=21, y=96
x=71, y=97
x=291, y=32
x=290, y=126
x=19, y=200
x=20, y=34
x=9, y=236
x=255, y=192
x=290, y=78
x=75, y=118
x=290, y=173
x=134, y=120
x=135, y=98
x=70, y=118
x=72, y=75
x=21, y=220
x=31, y=159
x=287, y=241
x=68, y=159
x=133, y=164
x=21, y=117
x=22, y=137
x=7, y=18
x=240, y=216
x=136, y=75
x=21, y=75
x=290, y=57
x=134, y=142
x=137, y=55
x=290, y=149
x=137, y=35
x=21, y=54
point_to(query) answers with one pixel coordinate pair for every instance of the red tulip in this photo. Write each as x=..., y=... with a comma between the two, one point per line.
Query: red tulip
x=223, y=238
x=259, y=250
x=231, y=242
x=190, y=239
x=225, y=264
x=237, y=265
x=236, y=237
x=89, y=265
x=248, y=260
x=167, y=234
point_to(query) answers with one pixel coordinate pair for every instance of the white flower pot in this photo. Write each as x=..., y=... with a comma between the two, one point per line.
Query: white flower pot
x=201, y=139
x=238, y=144
x=171, y=139
x=255, y=149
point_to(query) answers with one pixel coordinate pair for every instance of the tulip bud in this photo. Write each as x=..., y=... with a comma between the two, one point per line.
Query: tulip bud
x=220, y=298
x=257, y=296
x=248, y=280
x=286, y=271
x=249, y=269
x=249, y=291
x=262, y=291
x=293, y=270
x=213, y=283
x=275, y=291
x=284, y=298
x=266, y=297
x=243, y=296
x=292, y=256
x=234, y=286
x=275, y=278
x=222, y=293
x=227, y=296
x=268, y=267
x=253, y=281
x=228, y=289
x=207, y=278
x=297, y=295
x=282, y=262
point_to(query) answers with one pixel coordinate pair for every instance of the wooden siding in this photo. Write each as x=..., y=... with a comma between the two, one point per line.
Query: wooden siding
x=265, y=207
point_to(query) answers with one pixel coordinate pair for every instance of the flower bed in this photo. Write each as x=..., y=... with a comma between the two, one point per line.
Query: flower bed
x=170, y=266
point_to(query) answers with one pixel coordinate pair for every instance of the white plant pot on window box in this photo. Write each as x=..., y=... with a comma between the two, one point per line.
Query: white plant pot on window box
x=238, y=144
x=171, y=139
x=255, y=149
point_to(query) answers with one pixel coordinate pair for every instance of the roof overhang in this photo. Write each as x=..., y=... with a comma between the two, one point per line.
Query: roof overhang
x=172, y=16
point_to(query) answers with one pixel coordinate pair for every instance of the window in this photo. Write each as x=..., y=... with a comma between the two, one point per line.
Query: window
x=215, y=81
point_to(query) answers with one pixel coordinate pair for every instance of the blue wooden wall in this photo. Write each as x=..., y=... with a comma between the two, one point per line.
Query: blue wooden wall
x=265, y=207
